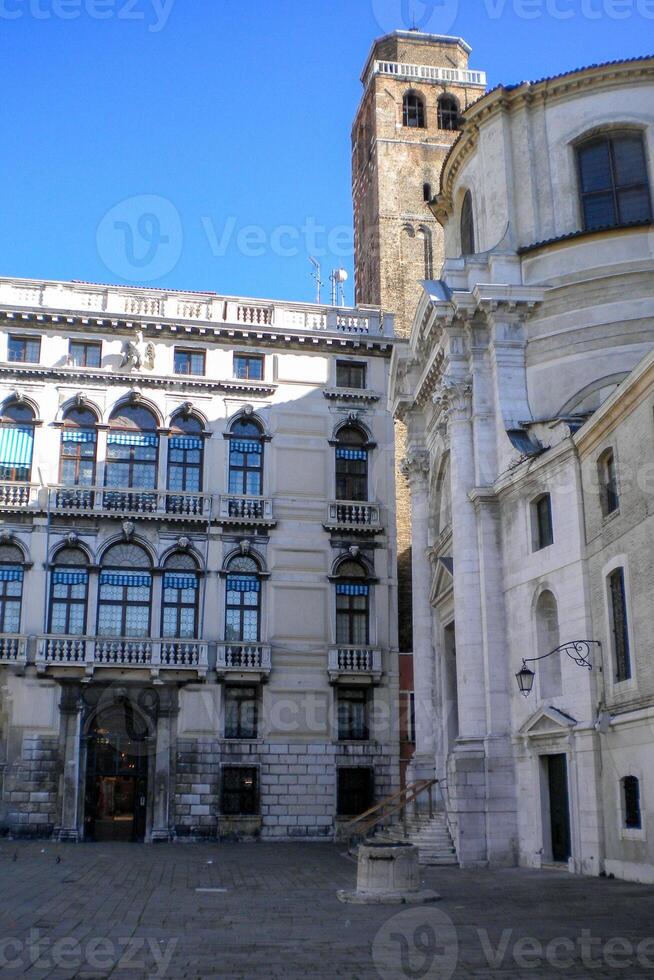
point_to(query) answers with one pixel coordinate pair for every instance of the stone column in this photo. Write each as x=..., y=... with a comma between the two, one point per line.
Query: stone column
x=416, y=469
x=467, y=764
x=70, y=740
x=163, y=770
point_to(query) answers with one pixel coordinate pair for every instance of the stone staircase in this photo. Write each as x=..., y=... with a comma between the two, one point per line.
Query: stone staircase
x=431, y=835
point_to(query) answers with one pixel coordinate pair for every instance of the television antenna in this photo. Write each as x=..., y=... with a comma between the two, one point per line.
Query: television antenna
x=338, y=279
x=316, y=275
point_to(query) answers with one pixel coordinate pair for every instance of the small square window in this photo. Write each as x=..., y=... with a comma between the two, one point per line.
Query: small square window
x=85, y=353
x=350, y=374
x=24, y=349
x=189, y=361
x=240, y=712
x=248, y=367
x=353, y=710
x=542, y=522
x=240, y=791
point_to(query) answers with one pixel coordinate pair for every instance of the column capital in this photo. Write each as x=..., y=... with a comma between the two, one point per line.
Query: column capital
x=454, y=397
x=415, y=466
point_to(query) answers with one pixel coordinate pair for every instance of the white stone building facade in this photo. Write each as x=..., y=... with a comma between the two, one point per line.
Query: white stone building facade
x=524, y=392
x=197, y=564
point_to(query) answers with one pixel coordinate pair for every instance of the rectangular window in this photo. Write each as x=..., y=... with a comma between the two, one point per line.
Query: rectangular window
x=350, y=374
x=24, y=349
x=407, y=716
x=633, y=818
x=355, y=791
x=353, y=712
x=543, y=528
x=240, y=791
x=608, y=478
x=85, y=353
x=619, y=625
x=240, y=712
x=189, y=361
x=248, y=367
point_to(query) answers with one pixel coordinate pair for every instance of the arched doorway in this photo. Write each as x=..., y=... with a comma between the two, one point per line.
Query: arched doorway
x=119, y=743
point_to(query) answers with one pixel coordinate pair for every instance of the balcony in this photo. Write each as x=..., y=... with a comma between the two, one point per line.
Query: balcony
x=249, y=660
x=427, y=73
x=18, y=496
x=353, y=517
x=355, y=664
x=246, y=511
x=89, y=652
x=101, y=501
x=13, y=648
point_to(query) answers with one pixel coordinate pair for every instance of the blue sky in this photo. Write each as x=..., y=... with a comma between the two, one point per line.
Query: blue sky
x=200, y=144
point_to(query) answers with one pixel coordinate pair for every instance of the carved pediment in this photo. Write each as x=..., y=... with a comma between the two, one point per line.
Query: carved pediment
x=547, y=721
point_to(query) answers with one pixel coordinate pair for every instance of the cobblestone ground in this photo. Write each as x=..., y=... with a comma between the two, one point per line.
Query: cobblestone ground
x=270, y=910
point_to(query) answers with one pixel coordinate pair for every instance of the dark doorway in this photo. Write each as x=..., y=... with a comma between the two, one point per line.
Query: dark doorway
x=355, y=791
x=117, y=752
x=557, y=778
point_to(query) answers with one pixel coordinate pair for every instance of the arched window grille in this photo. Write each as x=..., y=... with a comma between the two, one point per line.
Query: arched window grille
x=448, y=113
x=467, y=226
x=185, y=464
x=16, y=444
x=351, y=464
x=413, y=111
x=181, y=590
x=77, y=459
x=243, y=601
x=69, y=584
x=132, y=455
x=11, y=589
x=614, y=182
x=352, y=605
x=246, y=458
x=125, y=592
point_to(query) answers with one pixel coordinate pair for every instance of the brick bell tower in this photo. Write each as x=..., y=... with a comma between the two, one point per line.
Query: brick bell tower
x=415, y=87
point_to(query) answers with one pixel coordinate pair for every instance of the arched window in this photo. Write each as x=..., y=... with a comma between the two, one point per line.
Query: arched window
x=246, y=458
x=467, y=226
x=243, y=601
x=132, y=454
x=11, y=589
x=426, y=192
x=614, y=182
x=448, y=113
x=351, y=464
x=619, y=625
x=77, y=457
x=547, y=635
x=631, y=808
x=16, y=444
x=352, y=605
x=413, y=111
x=185, y=464
x=125, y=595
x=69, y=583
x=608, y=483
x=179, y=612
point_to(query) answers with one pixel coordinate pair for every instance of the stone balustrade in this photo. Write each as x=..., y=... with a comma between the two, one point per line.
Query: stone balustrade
x=90, y=652
x=353, y=660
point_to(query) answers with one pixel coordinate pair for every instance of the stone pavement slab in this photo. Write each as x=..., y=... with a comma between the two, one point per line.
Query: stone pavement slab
x=269, y=910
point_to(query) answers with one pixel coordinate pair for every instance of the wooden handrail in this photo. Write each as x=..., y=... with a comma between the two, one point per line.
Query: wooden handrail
x=411, y=793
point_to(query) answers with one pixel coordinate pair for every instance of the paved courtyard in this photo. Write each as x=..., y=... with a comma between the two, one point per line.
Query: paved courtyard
x=270, y=910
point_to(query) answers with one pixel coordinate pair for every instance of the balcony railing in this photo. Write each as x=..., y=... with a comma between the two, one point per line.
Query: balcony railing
x=244, y=657
x=98, y=651
x=353, y=516
x=18, y=495
x=236, y=509
x=353, y=661
x=131, y=503
x=427, y=73
x=13, y=648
